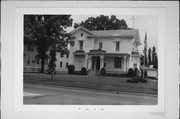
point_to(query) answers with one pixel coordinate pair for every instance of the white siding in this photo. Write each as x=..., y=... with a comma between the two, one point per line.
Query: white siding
x=109, y=45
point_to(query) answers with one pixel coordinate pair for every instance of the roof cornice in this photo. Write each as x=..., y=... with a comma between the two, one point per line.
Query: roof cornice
x=80, y=28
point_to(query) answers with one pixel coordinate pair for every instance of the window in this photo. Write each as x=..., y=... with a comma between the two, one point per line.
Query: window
x=81, y=34
x=66, y=65
x=30, y=48
x=33, y=61
x=62, y=54
x=60, y=64
x=37, y=61
x=100, y=45
x=117, y=62
x=80, y=45
x=67, y=55
x=28, y=61
x=117, y=46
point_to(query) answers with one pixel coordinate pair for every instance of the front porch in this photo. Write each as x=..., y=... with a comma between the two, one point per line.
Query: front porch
x=113, y=63
x=95, y=60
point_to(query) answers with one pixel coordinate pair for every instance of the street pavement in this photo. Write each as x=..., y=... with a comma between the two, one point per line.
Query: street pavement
x=71, y=96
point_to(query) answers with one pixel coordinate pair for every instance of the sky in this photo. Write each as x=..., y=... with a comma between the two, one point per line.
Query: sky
x=144, y=23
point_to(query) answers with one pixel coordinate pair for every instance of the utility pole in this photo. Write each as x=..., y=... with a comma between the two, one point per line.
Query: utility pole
x=133, y=20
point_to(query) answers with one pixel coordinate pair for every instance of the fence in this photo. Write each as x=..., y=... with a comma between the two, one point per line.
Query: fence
x=29, y=69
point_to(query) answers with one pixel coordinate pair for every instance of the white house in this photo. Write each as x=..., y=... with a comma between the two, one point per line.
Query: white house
x=32, y=62
x=116, y=50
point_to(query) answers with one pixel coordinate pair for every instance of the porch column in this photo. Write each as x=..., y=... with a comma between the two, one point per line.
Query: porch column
x=85, y=62
x=130, y=62
x=102, y=61
x=89, y=62
x=125, y=63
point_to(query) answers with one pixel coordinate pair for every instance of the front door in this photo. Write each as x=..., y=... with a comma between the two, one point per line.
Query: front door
x=95, y=63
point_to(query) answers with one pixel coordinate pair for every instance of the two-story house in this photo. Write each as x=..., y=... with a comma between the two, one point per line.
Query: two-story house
x=116, y=50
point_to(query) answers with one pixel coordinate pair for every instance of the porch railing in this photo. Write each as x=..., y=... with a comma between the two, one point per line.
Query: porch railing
x=29, y=69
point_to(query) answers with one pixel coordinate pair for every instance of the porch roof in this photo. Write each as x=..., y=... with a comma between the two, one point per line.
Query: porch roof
x=117, y=54
x=79, y=52
x=103, y=52
x=97, y=52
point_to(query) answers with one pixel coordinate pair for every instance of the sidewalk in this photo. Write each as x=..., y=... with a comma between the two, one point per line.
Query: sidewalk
x=99, y=83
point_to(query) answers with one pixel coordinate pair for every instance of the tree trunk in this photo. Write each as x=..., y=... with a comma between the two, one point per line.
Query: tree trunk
x=42, y=65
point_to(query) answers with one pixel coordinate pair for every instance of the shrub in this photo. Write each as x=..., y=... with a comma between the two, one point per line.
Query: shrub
x=136, y=72
x=145, y=73
x=71, y=69
x=83, y=71
x=103, y=71
x=130, y=72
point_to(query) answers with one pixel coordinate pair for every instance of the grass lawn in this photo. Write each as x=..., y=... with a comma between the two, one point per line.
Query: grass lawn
x=100, y=83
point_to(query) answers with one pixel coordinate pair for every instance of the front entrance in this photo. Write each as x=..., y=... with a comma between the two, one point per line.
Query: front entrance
x=96, y=63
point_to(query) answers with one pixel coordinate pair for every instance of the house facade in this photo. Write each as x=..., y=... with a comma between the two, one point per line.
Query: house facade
x=115, y=50
x=33, y=64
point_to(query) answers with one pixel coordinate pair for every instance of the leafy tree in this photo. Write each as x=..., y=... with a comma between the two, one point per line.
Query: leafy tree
x=103, y=23
x=45, y=31
x=145, y=50
x=153, y=54
x=154, y=57
x=149, y=56
x=52, y=61
x=142, y=59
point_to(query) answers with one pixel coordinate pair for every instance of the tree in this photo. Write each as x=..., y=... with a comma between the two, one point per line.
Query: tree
x=153, y=53
x=45, y=31
x=142, y=59
x=103, y=23
x=154, y=57
x=52, y=61
x=149, y=56
x=145, y=50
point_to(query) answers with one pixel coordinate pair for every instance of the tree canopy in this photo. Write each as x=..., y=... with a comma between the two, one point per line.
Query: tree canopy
x=103, y=23
x=45, y=31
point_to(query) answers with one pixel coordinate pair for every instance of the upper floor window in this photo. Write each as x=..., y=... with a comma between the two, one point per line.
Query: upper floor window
x=117, y=46
x=80, y=45
x=100, y=45
x=60, y=64
x=67, y=65
x=81, y=34
x=67, y=55
x=62, y=54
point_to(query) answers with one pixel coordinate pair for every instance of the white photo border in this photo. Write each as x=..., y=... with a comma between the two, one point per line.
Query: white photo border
x=85, y=8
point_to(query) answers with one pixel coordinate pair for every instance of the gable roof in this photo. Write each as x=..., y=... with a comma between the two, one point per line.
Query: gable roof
x=80, y=28
x=112, y=33
x=115, y=33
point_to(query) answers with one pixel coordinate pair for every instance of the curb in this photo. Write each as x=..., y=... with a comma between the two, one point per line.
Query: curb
x=93, y=90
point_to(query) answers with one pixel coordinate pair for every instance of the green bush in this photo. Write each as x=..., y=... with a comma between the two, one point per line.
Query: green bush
x=136, y=72
x=103, y=71
x=83, y=71
x=130, y=72
x=71, y=69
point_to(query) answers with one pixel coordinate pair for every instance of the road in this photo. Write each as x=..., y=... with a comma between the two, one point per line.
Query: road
x=50, y=95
